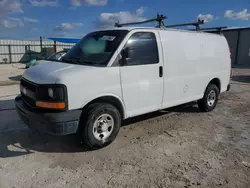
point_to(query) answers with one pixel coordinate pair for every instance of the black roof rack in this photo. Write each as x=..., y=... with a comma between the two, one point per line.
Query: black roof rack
x=196, y=24
x=158, y=19
x=211, y=29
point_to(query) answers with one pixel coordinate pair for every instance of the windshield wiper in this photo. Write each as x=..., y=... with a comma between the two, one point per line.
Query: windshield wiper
x=89, y=62
x=79, y=61
x=72, y=60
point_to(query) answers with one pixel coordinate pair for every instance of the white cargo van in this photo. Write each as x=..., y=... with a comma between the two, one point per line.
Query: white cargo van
x=115, y=74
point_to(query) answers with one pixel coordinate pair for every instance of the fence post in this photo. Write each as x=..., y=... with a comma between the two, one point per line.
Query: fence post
x=54, y=46
x=41, y=43
x=29, y=52
x=10, y=55
x=237, y=48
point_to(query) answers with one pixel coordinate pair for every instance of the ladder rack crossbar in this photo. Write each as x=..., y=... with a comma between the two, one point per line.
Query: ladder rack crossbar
x=196, y=24
x=160, y=19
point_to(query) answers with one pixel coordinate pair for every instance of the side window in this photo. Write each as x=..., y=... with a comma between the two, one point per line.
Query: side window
x=142, y=49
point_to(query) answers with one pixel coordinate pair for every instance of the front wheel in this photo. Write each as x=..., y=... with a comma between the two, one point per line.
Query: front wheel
x=99, y=125
x=210, y=98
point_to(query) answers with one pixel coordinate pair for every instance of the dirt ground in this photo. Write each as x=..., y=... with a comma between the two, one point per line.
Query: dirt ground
x=10, y=74
x=179, y=147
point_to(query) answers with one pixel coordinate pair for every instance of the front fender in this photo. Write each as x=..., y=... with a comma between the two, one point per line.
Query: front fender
x=106, y=95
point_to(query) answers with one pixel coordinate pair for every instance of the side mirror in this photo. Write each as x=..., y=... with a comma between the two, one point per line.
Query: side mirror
x=125, y=52
x=124, y=56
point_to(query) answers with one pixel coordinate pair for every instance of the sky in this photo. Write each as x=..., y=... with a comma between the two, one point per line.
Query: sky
x=30, y=19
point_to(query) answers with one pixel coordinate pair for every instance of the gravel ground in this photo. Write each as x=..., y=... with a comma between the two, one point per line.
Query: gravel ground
x=179, y=147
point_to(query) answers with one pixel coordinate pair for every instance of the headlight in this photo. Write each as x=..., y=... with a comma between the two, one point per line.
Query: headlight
x=50, y=93
x=51, y=96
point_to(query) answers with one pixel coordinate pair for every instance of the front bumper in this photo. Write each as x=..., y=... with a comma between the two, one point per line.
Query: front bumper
x=55, y=123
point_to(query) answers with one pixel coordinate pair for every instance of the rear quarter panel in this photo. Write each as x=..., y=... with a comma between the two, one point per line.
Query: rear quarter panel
x=216, y=58
x=191, y=61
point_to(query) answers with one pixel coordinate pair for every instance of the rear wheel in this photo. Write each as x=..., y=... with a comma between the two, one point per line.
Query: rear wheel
x=210, y=98
x=99, y=125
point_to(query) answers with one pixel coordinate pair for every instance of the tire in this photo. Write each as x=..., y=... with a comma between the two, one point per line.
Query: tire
x=207, y=105
x=89, y=131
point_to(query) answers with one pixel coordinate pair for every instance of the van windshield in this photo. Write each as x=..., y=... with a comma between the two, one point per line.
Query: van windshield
x=95, y=48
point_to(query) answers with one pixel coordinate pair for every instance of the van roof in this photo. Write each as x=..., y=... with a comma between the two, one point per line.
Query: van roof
x=128, y=28
x=155, y=28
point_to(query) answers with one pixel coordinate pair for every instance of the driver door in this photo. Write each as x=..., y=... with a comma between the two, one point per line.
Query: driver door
x=141, y=73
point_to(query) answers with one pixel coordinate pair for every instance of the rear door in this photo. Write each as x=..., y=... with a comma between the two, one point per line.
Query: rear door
x=141, y=75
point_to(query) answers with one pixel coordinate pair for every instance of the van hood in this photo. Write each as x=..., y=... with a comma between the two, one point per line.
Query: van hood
x=50, y=72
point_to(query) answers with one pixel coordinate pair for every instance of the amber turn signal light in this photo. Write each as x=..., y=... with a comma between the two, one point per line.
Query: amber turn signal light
x=51, y=105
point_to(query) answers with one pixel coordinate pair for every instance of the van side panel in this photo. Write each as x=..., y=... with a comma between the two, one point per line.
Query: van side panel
x=191, y=61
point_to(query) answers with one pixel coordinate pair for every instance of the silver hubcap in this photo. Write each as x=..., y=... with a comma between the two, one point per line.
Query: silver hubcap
x=103, y=127
x=211, y=98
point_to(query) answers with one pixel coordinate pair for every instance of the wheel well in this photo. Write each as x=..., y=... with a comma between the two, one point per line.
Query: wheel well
x=216, y=82
x=110, y=100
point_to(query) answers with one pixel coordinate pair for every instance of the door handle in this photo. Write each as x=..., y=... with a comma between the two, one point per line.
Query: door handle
x=160, y=71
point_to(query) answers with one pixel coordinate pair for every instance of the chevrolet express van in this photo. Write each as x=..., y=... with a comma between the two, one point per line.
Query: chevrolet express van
x=115, y=74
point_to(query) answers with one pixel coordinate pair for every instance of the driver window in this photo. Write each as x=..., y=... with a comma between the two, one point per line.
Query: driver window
x=142, y=49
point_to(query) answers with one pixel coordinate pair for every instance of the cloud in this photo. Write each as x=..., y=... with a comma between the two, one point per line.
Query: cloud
x=70, y=35
x=67, y=26
x=242, y=15
x=206, y=17
x=43, y=3
x=140, y=11
x=97, y=2
x=11, y=23
x=106, y=20
x=78, y=3
x=30, y=20
x=10, y=6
